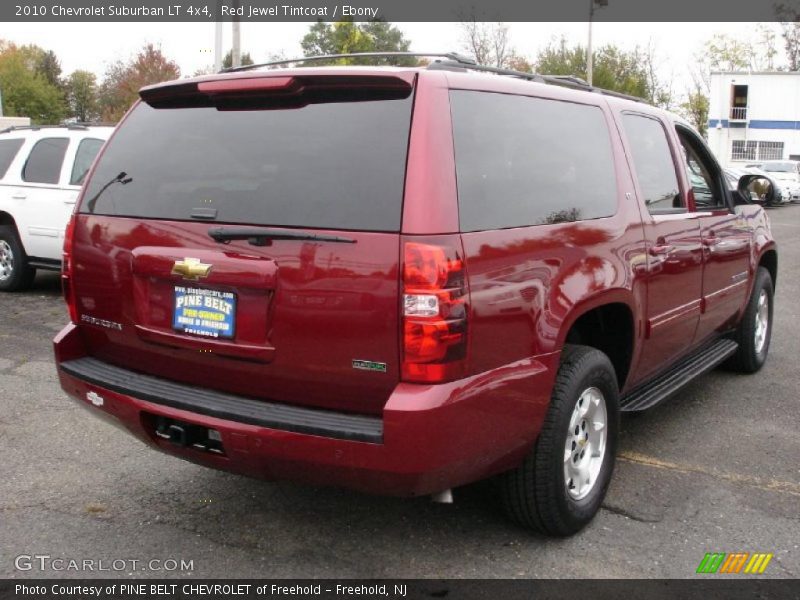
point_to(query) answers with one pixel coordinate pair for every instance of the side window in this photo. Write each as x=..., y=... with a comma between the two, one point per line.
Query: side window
x=8, y=151
x=701, y=172
x=44, y=163
x=653, y=162
x=527, y=161
x=87, y=150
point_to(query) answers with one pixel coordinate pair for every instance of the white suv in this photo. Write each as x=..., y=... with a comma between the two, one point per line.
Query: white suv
x=41, y=172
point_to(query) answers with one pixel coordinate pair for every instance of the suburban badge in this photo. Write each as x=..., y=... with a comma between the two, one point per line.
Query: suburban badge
x=191, y=268
x=369, y=365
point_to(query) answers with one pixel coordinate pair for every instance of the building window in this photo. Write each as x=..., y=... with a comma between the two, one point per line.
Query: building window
x=738, y=103
x=755, y=150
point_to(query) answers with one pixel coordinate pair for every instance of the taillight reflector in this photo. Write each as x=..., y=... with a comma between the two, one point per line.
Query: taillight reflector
x=434, y=313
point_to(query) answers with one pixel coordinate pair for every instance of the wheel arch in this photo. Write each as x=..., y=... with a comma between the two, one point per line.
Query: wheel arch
x=7, y=220
x=769, y=260
x=605, y=322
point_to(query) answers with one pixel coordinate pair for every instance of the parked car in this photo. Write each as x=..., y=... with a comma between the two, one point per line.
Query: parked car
x=403, y=280
x=732, y=175
x=41, y=172
x=786, y=173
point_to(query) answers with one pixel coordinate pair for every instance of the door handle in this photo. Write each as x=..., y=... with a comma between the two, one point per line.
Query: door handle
x=70, y=201
x=661, y=249
x=19, y=195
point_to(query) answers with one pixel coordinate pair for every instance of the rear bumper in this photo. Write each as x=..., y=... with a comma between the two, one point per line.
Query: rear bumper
x=429, y=438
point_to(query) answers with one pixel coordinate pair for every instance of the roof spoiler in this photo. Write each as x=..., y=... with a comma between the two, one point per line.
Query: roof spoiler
x=276, y=90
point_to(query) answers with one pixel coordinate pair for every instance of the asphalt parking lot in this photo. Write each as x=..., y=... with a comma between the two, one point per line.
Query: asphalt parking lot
x=714, y=470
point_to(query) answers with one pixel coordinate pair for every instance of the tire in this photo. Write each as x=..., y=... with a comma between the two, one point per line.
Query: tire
x=536, y=494
x=752, y=335
x=15, y=273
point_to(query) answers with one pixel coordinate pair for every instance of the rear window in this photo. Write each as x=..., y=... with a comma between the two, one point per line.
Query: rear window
x=528, y=161
x=334, y=165
x=784, y=167
x=8, y=150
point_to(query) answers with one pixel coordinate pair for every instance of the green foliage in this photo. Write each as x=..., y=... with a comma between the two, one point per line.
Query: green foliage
x=344, y=37
x=26, y=89
x=725, y=53
x=626, y=71
x=695, y=109
x=50, y=68
x=246, y=59
x=82, y=96
x=123, y=80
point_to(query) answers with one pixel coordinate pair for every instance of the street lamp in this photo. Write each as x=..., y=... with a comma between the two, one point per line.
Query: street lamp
x=593, y=5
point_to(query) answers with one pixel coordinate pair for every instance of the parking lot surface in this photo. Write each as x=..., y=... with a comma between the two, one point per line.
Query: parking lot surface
x=713, y=470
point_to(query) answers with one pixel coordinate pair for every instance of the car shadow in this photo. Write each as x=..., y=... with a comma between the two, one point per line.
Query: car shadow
x=47, y=283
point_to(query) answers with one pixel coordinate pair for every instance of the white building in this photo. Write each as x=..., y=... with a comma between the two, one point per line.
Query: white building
x=754, y=116
x=13, y=122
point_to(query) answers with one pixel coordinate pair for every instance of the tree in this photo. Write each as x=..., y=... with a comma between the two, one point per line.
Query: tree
x=50, y=68
x=695, y=108
x=630, y=72
x=725, y=53
x=488, y=43
x=790, y=31
x=246, y=59
x=82, y=96
x=122, y=81
x=26, y=91
x=345, y=37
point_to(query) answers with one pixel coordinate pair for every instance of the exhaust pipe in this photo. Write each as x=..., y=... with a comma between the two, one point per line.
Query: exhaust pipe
x=444, y=497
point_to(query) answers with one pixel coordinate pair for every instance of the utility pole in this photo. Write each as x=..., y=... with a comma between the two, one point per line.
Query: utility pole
x=236, y=51
x=217, y=46
x=593, y=5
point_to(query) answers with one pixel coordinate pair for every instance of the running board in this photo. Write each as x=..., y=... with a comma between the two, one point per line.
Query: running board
x=685, y=370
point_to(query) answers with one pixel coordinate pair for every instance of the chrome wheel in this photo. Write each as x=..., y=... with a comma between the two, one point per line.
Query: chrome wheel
x=586, y=443
x=762, y=321
x=6, y=260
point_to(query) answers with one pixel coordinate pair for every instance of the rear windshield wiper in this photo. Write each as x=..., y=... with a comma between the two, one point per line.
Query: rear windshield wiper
x=263, y=237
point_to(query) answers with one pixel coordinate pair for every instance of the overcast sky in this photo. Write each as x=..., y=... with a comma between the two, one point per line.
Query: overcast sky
x=92, y=46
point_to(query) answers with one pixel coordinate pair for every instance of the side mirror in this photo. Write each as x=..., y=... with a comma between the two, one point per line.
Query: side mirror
x=758, y=189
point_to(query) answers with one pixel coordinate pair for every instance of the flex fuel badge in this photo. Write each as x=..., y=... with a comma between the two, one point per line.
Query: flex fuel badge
x=369, y=365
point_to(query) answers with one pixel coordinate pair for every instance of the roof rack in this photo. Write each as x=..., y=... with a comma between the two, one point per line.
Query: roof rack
x=568, y=81
x=451, y=56
x=76, y=125
x=453, y=61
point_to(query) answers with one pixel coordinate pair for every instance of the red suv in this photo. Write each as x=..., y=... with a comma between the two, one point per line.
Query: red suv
x=402, y=280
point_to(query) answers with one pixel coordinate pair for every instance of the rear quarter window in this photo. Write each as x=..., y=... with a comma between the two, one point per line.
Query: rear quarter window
x=85, y=155
x=528, y=161
x=8, y=151
x=45, y=161
x=331, y=165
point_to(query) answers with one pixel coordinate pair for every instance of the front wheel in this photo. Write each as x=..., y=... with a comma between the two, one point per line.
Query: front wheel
x=562, y=482
x=755, y=329
x=15, y=273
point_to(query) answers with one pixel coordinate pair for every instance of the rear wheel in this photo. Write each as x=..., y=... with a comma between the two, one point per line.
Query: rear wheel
x=562, y=482
x=15, y=273
x=755, y=329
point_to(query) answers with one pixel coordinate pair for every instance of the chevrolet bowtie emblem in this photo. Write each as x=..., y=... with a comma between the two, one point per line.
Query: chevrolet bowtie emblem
x=190, y=268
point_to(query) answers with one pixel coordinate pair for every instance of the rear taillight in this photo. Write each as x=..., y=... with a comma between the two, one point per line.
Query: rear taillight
x=66, y=271
x=434, y=312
